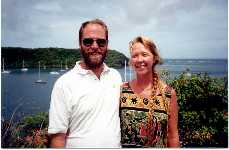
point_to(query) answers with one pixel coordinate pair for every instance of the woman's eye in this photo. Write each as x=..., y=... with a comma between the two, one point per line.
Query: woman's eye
x=134, y=56
x=144, y=54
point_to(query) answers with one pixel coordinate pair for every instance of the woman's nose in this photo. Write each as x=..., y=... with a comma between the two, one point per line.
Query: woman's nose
x=140, y=58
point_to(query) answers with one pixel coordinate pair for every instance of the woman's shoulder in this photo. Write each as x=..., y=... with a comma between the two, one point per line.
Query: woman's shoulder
x=125, y=84
x=125, y=88
x=168, y=89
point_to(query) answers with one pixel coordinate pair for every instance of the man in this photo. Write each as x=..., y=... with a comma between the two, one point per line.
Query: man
x=84, y=108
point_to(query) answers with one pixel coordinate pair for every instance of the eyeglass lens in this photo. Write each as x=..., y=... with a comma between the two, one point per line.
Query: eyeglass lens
x=89, y=42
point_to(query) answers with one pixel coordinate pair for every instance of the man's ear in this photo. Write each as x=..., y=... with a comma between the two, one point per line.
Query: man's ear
x=80, y=45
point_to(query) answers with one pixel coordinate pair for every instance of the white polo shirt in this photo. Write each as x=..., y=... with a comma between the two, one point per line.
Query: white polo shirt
x=87, y=107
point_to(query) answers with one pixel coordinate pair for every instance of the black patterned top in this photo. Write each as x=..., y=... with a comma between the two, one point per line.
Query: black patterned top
x=144, y=122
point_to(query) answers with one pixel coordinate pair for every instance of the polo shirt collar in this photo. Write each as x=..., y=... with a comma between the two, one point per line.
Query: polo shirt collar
x=82, y=71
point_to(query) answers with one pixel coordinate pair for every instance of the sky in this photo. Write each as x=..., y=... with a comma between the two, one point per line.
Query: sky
x=180, y=28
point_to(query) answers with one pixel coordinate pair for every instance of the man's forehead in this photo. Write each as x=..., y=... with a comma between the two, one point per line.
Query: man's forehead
x=94, y=28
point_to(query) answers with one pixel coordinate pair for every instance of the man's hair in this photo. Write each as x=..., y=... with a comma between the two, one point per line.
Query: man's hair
x=94, y=21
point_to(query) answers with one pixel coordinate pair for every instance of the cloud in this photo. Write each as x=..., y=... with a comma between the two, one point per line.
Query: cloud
x=175, y=25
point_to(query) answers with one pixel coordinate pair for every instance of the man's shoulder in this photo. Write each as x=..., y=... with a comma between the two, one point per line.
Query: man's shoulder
x=114, y=73
x=68, y=76
x=113, y=70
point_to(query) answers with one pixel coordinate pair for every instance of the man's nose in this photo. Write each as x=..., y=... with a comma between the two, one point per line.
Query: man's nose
x=94, y=44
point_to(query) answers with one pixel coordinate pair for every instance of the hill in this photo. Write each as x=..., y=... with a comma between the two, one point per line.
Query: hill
x=52, y=57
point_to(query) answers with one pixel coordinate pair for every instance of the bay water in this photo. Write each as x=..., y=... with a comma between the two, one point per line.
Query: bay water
x=22, y=96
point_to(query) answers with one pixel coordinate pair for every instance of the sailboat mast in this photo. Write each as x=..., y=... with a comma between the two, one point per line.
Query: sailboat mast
x=66, y=65
x=125, y=72
x=39, y=73
x=3, y=69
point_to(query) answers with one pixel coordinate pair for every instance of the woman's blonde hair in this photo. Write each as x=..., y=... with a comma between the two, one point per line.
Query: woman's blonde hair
x=149, y=44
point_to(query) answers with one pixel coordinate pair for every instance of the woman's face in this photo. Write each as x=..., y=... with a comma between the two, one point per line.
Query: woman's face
x=142, y=59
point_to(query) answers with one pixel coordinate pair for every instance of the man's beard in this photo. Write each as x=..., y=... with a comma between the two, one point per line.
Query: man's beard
x=94, y=59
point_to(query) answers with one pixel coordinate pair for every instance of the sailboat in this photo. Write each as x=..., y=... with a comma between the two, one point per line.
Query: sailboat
x=54, y=72
x=3, y=67
x=66, y=65
x=61, y=67
x=23, y=67
x=39, y=76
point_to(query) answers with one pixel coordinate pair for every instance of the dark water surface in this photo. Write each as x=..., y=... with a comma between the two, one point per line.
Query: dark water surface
x=20, y=93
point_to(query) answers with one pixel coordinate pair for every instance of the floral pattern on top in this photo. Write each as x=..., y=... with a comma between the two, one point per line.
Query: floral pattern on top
x=144, y=122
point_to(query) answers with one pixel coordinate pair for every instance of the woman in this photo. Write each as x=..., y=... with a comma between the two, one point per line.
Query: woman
x=148, y=106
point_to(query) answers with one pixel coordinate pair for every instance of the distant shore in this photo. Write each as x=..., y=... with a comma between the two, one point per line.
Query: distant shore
x=52, y=57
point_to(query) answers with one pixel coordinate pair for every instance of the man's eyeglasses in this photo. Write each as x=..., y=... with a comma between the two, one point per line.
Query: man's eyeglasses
x=89, y=41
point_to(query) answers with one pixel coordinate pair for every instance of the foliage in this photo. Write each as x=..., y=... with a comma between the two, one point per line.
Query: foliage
x=31, y=132
x=203, y=116
x=52, y=57
x=115, y=59
x=203, y=110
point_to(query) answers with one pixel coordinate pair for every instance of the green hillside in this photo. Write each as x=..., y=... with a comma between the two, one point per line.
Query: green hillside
x=52, y=57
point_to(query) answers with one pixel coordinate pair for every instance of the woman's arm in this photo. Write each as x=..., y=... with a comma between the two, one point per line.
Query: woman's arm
x=173, y=138
x=58, y=140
